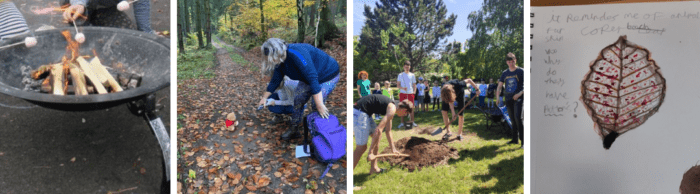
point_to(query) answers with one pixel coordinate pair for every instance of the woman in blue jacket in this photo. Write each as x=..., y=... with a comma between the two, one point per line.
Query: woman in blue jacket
x=317, y=72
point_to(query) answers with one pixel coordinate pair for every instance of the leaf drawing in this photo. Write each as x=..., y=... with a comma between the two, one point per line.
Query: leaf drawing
x=622, y=89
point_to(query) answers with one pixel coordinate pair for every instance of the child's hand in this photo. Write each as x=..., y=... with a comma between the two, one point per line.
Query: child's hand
x=262, y=102
x=270, y=102
x=73, y=12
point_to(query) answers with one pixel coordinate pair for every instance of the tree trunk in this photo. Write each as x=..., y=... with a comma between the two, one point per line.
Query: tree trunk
x=208, y=22
x=312, y=10
x=318, y=20
x=262, y=22
x=187, y=24
x=180, y=31
x=326, y=28
x=300, y=21
x=198, y=21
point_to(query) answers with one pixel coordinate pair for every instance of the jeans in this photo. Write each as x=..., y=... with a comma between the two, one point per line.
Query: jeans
x=515, y=109
x=303, y=93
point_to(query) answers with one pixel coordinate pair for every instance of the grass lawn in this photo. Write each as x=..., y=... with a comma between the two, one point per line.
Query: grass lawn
x=487, y=163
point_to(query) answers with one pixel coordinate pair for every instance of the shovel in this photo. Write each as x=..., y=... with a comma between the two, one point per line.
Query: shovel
x=439, y=130
x=372, y=156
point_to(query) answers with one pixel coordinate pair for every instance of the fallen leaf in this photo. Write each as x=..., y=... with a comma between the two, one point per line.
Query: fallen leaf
x=251, y=187
x=143, y=170
x=263, y=181
x=72, y=159
x=218, y=182
x=308, y=191
x=335, y=166
x=278, y=174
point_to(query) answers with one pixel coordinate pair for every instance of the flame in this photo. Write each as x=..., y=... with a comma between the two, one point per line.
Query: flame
x=71, y=49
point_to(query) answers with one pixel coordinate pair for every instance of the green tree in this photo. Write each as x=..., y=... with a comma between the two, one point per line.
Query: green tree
x=426, y=22
x=497, y=29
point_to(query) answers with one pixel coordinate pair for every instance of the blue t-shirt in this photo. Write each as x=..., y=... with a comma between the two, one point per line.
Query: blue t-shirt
x=483, y=88
x=419, y=89
x=307, y=64
x=513, y=81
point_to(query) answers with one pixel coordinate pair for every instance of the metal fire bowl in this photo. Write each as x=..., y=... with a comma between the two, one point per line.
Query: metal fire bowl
x=137, y=51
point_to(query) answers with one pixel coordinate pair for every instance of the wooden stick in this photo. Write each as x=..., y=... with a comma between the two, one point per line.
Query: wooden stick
x=90, y=74
x=104, y=75
x=372, y=156
x=78, y=80
x=58, y=77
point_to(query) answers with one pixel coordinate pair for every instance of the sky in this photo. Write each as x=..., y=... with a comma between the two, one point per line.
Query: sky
x=460, y=8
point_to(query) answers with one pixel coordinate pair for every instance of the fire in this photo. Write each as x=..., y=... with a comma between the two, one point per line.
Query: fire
x=71, y=49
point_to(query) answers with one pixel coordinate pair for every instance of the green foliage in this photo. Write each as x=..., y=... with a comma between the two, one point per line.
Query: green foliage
x=497, y=29
x=408, y=30
x=196, y=63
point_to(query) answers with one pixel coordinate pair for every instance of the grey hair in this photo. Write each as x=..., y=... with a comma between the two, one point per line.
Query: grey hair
x=277, y=53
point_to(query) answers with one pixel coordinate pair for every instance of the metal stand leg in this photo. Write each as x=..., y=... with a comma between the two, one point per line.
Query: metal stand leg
x=147, y=107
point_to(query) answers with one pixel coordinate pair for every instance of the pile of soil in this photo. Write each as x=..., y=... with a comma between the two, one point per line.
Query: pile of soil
x=691, y=181
x=423, y=152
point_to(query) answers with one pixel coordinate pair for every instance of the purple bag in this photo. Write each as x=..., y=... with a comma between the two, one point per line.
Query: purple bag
x=328, y=139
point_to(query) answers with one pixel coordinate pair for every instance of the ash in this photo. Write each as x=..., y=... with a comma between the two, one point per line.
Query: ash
x=29, y=83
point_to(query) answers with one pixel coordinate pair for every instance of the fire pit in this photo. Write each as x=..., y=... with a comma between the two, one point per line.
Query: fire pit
x=135, y=51
x=119, y=50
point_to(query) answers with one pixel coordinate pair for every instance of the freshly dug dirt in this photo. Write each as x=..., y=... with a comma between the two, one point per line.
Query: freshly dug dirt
x=423, y=152
x=691, y=181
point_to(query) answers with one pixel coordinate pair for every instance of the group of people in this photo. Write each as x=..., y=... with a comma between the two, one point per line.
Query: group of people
x=450, y=92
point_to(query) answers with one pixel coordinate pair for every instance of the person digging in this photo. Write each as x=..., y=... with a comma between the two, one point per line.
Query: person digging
x=452, y=91
x=364, y=126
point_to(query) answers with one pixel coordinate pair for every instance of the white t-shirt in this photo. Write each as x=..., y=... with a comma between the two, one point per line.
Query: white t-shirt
x=407, y=80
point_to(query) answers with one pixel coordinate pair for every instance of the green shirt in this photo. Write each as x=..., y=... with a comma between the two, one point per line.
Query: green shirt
x=364, y=87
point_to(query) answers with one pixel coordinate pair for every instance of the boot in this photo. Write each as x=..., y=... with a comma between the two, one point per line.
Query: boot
x=292, y=133
x=277, y=119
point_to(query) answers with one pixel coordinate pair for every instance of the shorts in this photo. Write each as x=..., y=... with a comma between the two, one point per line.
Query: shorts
x=460, y=104
x=403, y=96
x=419, y=100
x=364, y=126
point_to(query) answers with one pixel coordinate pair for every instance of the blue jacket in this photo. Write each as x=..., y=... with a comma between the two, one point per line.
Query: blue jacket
x=307, y=64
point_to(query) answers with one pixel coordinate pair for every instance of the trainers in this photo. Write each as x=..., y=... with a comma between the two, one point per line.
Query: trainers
x=400, y=125
x=446, y=137
x=292, y=133
x=414, y=124
x=459, y=137
x=276, y=120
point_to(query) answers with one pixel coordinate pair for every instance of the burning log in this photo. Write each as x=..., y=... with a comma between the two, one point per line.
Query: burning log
x=57, y=76
x=57, y=81
x=78, y=80
x=92, y=76
x=46, y=85
x=104, y=76
x=42, y=72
